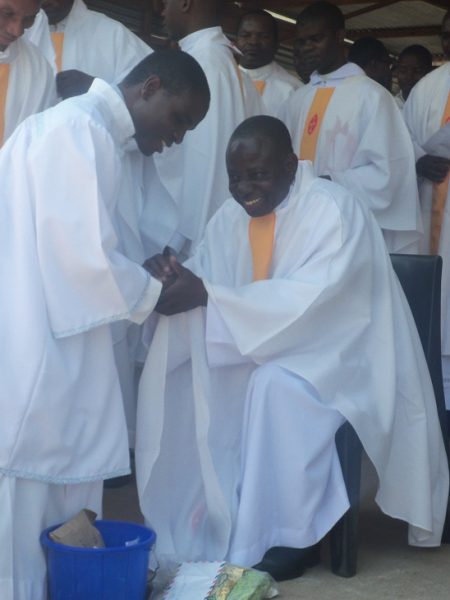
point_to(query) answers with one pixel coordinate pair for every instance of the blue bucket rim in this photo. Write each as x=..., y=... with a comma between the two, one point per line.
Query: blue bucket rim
x=150, y=541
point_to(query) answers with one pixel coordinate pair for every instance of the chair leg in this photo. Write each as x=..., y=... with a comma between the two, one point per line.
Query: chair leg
x=344, y=544
x=344, y=535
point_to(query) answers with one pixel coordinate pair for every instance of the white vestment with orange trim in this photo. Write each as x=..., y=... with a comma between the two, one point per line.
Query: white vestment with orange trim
x=93, y=43
x=31, y=87
x=239, y=401
x=364, y=145
x=278, y=85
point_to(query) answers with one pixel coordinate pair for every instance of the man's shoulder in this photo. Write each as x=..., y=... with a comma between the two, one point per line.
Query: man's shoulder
x=282, y=74
x=27, y=52
x=427, y=85
x=106, y=26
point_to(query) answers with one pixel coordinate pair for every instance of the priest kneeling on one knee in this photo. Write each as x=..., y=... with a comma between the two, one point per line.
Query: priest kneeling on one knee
x=287, y=321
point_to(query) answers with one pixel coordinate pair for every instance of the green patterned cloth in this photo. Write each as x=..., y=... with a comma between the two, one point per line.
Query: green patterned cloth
x=236, y=583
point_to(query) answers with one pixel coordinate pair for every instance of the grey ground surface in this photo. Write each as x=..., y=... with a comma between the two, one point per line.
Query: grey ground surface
x=388, y=569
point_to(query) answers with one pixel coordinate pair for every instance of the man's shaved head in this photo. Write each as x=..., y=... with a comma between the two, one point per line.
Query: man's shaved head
x=270, y=128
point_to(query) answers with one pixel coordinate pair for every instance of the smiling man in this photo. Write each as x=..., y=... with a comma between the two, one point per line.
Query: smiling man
x=257, y=39
x=66, y=281
x=271, y=337
x=350, y=129
x=26, y=82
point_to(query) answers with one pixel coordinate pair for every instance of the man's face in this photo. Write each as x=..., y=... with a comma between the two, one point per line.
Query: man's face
x=259, y=179
x=379, y=69
x=256, y=40
x=173, y=19
x=15, y=17
x=410, y=69
x=318, y=46
x=57, y=10
x=162, y=119
x=445, y=38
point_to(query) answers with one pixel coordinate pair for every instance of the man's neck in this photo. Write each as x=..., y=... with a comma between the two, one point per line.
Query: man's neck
x=338, y=63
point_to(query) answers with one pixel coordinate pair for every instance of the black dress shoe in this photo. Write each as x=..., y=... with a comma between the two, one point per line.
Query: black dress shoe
x=284, y=563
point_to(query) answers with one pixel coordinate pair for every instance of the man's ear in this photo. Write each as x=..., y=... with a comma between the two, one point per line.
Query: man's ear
x=340, y=35
x=150, y=86
x=185, y=5
x=291, y=164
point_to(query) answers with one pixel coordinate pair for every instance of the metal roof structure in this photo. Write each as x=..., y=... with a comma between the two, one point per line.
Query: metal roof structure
x=397, y=23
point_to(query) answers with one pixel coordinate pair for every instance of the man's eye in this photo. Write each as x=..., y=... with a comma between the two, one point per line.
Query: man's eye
x=259, y=175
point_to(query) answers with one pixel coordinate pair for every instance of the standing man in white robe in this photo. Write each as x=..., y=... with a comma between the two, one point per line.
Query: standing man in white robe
x=26, y=80
x=273, y=337
x=194, y=175
x=66, y=280
x=257, y=39
x=427, y=115
x=351, y=130
x=86, y=41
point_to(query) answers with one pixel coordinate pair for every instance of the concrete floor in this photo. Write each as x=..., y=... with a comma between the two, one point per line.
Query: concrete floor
x=388, y=568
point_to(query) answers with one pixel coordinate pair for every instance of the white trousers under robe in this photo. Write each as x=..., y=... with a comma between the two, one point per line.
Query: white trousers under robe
x=292, y=490
x=27, y=507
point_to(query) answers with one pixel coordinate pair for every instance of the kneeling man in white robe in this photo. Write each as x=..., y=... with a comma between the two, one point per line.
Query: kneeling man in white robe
x=287, y=321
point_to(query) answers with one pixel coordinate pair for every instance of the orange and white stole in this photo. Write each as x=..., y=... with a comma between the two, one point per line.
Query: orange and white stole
x=261, y=235
x=4, y=80
x=260, y=86
x=439, y=198
x=58, y=44
x=314, y=122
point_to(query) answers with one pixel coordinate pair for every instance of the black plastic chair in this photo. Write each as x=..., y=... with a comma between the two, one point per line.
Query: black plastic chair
x=420, y=278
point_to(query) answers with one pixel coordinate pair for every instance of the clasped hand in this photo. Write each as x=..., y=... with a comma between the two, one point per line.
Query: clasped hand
x=182, y=290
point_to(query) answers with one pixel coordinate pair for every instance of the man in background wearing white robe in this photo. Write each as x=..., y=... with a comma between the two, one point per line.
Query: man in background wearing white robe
x=427, y=115
x=86, y=41
x=26, y=80
x=274, y=337
x=66, y=280
x=351, y=130
x=194, y=175
x=257, y=39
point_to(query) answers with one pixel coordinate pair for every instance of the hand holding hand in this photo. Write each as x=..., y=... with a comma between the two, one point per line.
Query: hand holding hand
x=160, y=266
x=185, y=293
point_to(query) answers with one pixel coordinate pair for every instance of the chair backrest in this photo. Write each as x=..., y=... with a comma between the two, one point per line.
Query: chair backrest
x=420, y=278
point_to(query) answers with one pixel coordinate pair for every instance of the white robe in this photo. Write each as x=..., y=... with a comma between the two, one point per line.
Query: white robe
x=399, y=100
x=279, y=85
x=423, y=113
x=193, y=173
x=65, y=282
x=93, y=43
x=363, y=145
x=39, y=35
x=211, y=433
x=30, y=85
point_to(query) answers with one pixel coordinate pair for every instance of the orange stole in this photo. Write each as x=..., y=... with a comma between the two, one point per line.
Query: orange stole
x=439, y=199
x=313, y=123
x=4, y=80
x=58, y=44
x=260, y=86
x=261, y=234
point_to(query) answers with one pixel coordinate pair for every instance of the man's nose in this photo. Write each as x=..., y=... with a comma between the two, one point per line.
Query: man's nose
x=244, y=187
